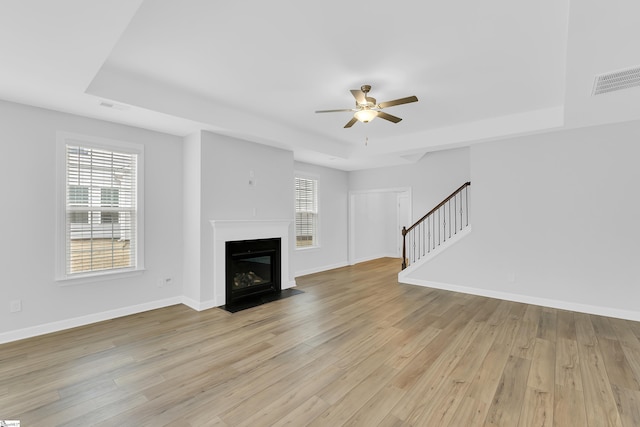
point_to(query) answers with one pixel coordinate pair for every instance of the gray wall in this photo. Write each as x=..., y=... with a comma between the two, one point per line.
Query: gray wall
x=555, y=221
x=28, y=173
x=332, y=217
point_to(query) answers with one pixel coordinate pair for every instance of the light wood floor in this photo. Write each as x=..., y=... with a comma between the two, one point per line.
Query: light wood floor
x=356, y=348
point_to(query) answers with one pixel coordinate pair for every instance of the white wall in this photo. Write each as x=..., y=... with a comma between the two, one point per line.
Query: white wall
x=555, y=221
x=374, y=226
x=192, y=214
x=28, y=174
x=217, y=173
x=332, y=216
x=431, y=179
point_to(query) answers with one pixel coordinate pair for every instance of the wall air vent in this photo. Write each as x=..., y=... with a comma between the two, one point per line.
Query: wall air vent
x=616, y=80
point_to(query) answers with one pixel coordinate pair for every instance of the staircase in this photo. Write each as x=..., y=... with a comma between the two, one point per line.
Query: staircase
x=443, y=223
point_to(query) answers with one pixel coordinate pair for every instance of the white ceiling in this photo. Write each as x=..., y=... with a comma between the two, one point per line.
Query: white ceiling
x=258, y=70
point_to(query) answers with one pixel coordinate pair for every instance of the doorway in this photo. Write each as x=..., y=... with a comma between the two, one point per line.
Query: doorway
x=376, y=218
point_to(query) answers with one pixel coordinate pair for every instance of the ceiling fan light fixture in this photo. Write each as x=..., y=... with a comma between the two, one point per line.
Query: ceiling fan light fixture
x=365, y=115
x=367, y=108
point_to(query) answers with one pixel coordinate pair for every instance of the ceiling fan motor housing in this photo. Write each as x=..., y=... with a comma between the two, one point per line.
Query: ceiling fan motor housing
x=371, y=102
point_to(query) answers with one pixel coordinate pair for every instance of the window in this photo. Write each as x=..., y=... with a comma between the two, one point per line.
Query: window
x=100, y=223
x=109, y=198
x=78, y=197
x=306, y=212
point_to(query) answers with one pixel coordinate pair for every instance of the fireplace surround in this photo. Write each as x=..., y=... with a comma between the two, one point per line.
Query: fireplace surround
x=242, y=230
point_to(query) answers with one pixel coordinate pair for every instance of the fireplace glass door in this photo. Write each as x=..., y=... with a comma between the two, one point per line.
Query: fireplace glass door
x=252, y=268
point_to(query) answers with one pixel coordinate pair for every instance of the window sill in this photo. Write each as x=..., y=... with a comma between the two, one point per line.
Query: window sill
x=98, y=277
x=308, y=248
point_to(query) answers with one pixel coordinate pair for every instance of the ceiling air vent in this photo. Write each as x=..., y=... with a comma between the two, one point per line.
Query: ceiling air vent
x=616, y=80
x=115, y=106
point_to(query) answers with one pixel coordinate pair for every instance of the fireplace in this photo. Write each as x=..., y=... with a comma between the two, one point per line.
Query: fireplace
x=245, y=230
x=252, y=269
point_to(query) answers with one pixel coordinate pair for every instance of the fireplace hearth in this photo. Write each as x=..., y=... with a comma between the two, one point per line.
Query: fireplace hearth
x=253, y=270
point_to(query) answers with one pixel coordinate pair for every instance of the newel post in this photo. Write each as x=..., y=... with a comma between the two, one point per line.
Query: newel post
x=404, y=247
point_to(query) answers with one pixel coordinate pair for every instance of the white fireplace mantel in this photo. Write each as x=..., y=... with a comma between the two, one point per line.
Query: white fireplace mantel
x=234, y=230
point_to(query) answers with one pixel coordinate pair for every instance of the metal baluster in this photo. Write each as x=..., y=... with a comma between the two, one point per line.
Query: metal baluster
x=433, y=226
x=428, y=236
x=466, y=192
x=424, y=242
x=461, y=211
x=413, y=244
x=444, y=222
x=416, y=253
x=409, y=262
x=455, y=214
x=419, y=241
x=450, y=218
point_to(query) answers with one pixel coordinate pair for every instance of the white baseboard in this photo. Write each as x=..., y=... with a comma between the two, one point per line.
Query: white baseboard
x=320, y=269
x=61, y=325
x=198, y=305
x=527, y=299
x=291, y=284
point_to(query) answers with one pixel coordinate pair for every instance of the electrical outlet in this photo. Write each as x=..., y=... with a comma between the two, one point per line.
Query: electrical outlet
x=15, y=306
x=165, y=281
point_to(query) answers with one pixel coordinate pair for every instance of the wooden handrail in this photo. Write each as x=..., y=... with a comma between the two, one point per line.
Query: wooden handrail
x=442, y=203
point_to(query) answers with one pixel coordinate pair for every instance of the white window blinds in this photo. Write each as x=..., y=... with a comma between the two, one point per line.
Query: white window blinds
x=306, y=212
x=101, y=209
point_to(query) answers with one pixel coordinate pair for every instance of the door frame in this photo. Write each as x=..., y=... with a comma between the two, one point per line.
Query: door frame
x=351, y=240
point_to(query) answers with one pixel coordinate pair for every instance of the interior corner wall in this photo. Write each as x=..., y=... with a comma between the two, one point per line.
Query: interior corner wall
x=555, y=221
x=431, y=179
x=227, y=165
x=28, y=173
x=332, y=217
x=375, y=229
x=191, y=207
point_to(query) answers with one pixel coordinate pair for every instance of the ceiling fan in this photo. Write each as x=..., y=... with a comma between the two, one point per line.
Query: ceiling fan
x=368, y=109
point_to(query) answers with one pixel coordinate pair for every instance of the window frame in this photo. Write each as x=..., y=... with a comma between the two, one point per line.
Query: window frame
x=67, y=138
x=316, y=237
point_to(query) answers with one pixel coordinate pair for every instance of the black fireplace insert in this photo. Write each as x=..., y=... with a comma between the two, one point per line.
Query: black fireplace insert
x=252, y=269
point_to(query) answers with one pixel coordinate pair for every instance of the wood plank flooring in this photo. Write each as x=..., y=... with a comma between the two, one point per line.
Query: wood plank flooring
x=355, y=349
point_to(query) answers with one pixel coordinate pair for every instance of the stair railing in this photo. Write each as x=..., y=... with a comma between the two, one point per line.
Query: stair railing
x=441, y=223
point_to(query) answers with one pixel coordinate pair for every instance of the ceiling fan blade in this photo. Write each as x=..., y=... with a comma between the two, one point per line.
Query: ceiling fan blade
x=400, y=101
x=359, y=96
x=334, y=111
x=351, y=122
x=389, y=117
